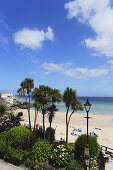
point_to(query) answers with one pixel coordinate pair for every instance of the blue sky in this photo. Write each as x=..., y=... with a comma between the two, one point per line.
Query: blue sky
x=57, y=43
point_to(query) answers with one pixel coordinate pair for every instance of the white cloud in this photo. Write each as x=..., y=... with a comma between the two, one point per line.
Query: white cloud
x=33, y=73
x=33, y=38
x=47, y=72
x=49, y=34
x=51, y=66
x=110, y=62
x=34, y=61
x=98, y=14
x=78, y=73
x=3, y=39
x=4, y=25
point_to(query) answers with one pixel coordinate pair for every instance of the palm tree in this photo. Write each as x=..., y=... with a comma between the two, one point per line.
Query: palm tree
x=72, y=103
x=28, y=85
x=21, y=91
x=23, y=86
x=43, y=97
x=37, y=107
x=51, y=113
x=55, y=98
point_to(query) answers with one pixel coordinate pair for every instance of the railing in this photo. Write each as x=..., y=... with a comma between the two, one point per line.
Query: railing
x=107, y=149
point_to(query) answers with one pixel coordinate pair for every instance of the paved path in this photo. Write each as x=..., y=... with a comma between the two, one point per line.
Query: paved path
x=7, y=166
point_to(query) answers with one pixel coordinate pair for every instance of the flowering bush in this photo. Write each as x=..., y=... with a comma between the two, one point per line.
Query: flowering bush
x=60, y=156
x=93, y=164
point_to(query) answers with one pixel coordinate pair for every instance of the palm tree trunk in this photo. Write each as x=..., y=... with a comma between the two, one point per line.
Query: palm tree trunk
x=35, y=118
x=67, y=126
x=67, y=134
x=50, y=124
x=43, y=112
x=26, y=99
x=29, y=113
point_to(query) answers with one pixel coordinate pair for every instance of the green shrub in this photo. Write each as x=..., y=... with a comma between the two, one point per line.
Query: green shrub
x=60, y=156
x=26, y=142
x=3, y=136
x=15, y=156
x=11, y=137
x=50, y=134
x=9, y=120
x=94, y=147
x=40, y=152
x=74, y=165
x=17, y=133
x=93, y=164
x=3, y=144
x=3, y=148
x=39, y=132
x=2, y=109
x=71, y=146
x=38, y=166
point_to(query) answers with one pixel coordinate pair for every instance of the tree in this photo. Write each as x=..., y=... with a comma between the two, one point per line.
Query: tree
x=72, y=104
x=23, y=86
x=43, y=97
x=55, y=97
x=51, y=113
x=26, y=87
x=46, y=98
x=21, y=92
x=29, y=85
x=37, y=107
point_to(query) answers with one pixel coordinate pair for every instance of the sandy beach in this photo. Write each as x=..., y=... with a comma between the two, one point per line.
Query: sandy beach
x=102, y=125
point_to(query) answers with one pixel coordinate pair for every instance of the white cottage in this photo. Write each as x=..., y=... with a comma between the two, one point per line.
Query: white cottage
x=7, y=96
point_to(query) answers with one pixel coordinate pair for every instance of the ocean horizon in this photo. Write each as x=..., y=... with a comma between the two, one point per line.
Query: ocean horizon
x=100, y=105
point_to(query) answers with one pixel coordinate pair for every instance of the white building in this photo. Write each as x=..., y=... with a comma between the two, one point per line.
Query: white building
x=7, y=97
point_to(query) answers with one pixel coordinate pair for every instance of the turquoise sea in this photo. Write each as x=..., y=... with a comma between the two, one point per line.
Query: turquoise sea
x=100, y=105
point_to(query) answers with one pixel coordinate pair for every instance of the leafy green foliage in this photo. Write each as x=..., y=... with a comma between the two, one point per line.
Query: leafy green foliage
x=94, y=147
x=40, y=152
x=51, y=113
x=71, y=146
x=69, y=97
x=93, y=164
x=72, y=104
x=15, y=156
x=60, y=156
x=9, y=120
x=17, y=133
x=26, y=142
x=74, y=165
x=39, y=132
x=10, y=138
x=28, y=84
x=3, y=144
x=46, y=98
x=50, y=134
x=2, y=109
